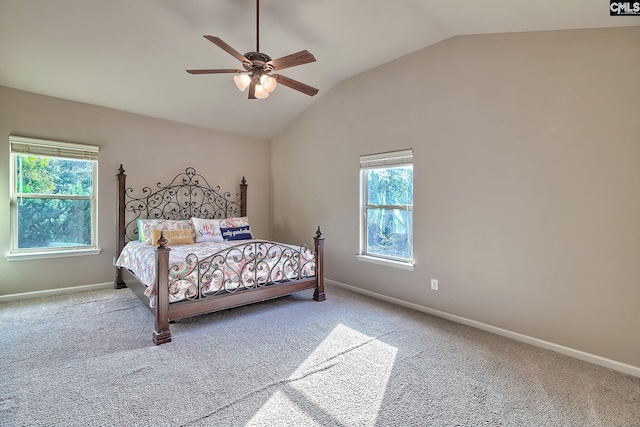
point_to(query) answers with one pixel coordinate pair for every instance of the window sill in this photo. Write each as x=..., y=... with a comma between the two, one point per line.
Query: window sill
x=24, y=256
x=387, y=262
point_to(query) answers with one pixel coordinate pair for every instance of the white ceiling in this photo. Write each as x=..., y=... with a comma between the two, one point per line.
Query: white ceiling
x=131, y=55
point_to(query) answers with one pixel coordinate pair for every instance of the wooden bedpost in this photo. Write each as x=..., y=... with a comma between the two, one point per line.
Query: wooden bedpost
x=243, y=197
x=161, y=332
x=319, y=294
x=122, y=178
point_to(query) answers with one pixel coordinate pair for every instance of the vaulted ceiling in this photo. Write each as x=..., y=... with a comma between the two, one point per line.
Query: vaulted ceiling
x=131, y=55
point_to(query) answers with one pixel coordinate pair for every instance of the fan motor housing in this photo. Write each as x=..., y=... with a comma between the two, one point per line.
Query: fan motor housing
x=258, y=59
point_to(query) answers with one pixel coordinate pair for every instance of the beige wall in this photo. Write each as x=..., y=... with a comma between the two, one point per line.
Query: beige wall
x=527, y=181
x=151, y=150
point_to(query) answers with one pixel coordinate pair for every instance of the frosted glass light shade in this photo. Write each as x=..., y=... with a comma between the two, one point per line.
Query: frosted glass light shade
x=268, y=82
x=242, y=81
x=261, y=93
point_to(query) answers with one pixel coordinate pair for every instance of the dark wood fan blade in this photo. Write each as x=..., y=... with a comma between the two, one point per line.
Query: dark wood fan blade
x=222, y=45
x=252, y=89
x=294, y=84
x=215, y=71
x=298, y=58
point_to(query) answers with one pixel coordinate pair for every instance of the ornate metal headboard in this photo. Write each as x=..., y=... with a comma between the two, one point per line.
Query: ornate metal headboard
x=187, y=195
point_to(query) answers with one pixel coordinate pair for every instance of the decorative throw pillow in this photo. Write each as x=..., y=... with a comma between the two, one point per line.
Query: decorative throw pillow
x=164, y=225
x=140, y=236
x=207, y=230
x=174, y=237
x=240, y=221
x=236, y=233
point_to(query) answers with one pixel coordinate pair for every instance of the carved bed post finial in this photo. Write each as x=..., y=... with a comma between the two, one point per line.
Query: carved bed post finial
x=162, y=241
x=243, y=197
x=319, y=294
x=122, y=178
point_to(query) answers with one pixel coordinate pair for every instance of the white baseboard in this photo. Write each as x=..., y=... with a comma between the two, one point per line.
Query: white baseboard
x=52, y=292
x=577, y=354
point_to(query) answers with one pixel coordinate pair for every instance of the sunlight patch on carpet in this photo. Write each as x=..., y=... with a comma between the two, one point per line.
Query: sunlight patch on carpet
x=342, y=381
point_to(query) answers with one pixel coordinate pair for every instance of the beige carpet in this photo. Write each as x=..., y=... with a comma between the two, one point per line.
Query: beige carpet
x=87, y=359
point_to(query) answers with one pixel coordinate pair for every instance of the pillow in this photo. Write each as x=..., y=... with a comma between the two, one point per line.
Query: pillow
x=236, y=233
x=207, y=230
x=139, y=223
x=173, y=236
x=164, y=225
x=241, y=221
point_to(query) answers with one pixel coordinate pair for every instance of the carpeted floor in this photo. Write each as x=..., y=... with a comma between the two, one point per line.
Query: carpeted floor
x=86, y=359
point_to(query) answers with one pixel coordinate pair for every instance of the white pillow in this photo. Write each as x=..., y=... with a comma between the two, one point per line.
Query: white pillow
x=207, y=230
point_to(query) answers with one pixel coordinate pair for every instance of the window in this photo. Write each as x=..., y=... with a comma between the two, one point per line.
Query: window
x=53, y=198
x=386, y=207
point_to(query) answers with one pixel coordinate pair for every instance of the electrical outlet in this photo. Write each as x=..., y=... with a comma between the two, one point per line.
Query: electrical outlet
x=434, y=284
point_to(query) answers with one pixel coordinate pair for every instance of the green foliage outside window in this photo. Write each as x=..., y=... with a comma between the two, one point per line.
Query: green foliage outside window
x=390, y=186
x=389, y=214
x=54, y=201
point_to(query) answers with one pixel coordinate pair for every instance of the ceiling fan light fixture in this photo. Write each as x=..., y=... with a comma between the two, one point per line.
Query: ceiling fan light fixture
x=257, y=67
x=261, y=92
x=242, y=81
x=268, y=83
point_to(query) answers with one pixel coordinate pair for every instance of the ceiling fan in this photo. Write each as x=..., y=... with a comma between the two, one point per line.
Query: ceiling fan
x=258, y=67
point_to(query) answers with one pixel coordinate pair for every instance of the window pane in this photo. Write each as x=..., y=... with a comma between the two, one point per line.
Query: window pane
x=49, y=175
x=390, y=186
x=50, y=223
x=389, y=232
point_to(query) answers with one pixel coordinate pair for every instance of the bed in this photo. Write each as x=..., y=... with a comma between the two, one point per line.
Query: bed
x=187, y=249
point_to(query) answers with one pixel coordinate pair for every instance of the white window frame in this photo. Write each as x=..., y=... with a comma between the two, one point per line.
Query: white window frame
x=19, y=145
x=376, y=161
